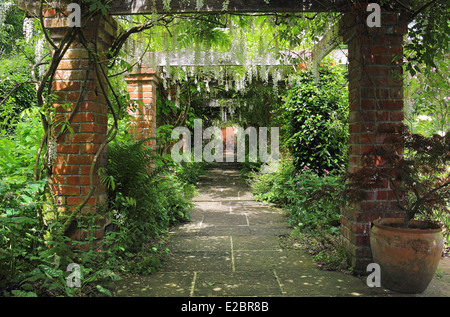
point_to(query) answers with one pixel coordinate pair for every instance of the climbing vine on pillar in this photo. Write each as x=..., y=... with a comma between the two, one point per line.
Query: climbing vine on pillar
x=79, y=58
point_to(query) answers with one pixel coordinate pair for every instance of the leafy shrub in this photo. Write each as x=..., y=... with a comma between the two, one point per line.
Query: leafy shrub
x=293, y=190
x=34, y=254
x=146, y=200
x=13, y=71
x=315, y=119
x=310, y=212
x=21, y=199
x=271, y=187
x=188, y=172
x=427, y=108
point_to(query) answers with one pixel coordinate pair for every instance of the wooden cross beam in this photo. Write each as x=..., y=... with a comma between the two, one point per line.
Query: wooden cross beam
x=128, y=7
x=221, y=6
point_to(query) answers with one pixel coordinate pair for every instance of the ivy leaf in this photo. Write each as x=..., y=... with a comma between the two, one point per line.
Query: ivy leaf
x=36, y=274
x=51, y=272
x=20, y=293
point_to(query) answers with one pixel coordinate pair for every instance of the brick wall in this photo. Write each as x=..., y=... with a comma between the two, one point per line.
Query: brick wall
x=77, y=87
x=375, y=99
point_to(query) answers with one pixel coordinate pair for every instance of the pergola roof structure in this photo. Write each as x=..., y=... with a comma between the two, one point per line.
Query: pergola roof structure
x=126, y=7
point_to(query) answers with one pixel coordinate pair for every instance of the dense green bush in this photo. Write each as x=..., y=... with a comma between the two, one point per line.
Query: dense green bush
x=293, y=190
x=315, y=120
x=271, y=187
x=13, y=72
x=146, y=200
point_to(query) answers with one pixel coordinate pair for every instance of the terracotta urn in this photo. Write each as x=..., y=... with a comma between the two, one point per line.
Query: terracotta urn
x=408, y=257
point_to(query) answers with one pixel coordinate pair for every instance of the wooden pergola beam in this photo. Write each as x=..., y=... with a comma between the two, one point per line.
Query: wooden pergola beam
x=217, y=6
x=129, y=7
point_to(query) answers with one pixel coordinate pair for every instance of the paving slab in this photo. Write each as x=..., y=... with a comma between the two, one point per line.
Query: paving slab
x=224, y=219
x=280, y=260
x=200, y=243
x=223, y=230
x=240, y=203
x=310, y=283
x=195, y=261
x=248, y=243
x=231, y=248
x=210, y=206
x=237, y=284
x=162, y=284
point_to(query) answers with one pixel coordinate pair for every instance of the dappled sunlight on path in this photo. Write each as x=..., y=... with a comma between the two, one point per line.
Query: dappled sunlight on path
x=231, y=247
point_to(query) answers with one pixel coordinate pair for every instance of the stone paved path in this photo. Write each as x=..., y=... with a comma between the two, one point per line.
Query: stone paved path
x=231, y=248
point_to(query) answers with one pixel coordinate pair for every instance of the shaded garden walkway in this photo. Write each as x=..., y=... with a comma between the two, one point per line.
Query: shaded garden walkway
x=232, y=248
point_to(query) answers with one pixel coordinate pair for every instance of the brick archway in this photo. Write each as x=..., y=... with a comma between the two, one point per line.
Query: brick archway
x=375, y=97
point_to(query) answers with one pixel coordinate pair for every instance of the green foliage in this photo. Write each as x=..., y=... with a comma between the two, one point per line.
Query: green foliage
x=188, y=172
x=427, y=109
x=308, y=212
x=271, y=187
x=18, y=242
x=428, y=36
x=98, y=5
x=145, y=199
x=14, y=71
x=18, y=150
x=33, y=253
x=315, y=219
x=36, y=258
x=294, y=191
x=10, y=29
x=315, y=119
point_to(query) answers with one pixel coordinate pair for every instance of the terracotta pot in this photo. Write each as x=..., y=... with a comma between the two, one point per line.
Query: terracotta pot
x=408, y=257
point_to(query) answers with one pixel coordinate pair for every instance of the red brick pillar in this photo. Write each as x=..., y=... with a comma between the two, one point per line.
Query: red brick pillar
x=76, y=85
x=375, y=99
x=142, y=85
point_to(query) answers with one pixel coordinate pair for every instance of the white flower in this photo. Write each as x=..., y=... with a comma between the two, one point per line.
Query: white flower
x=424, y=117
x=119, y=217
x=52, y=152
x=39, y=50
x=4, y=7
x=28, y=28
